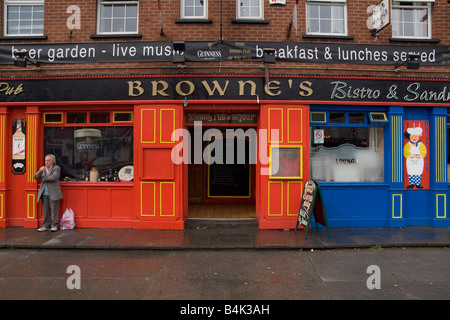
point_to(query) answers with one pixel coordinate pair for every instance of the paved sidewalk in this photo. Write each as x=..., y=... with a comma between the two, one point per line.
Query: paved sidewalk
x=240, y=237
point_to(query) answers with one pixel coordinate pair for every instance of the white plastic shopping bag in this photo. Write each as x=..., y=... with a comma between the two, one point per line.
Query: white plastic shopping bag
x=67, y=221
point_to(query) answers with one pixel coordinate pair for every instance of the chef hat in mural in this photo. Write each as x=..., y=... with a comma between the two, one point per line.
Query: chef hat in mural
x=415, y=131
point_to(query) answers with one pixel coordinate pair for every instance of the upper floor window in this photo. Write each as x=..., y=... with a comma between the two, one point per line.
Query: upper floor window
x=411, y=19
x=194, y=9
x=250, y=9
x=327, y=17
x=117, y=17
x=24, y=17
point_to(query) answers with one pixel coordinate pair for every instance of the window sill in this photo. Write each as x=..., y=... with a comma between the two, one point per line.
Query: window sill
x=250, y=21
x=24, y=38
x=118, y=35
x=193, y=21
x=414, y=40
x=320, y=36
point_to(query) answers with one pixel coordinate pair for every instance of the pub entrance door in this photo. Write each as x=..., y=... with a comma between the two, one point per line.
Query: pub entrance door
x=221, y=180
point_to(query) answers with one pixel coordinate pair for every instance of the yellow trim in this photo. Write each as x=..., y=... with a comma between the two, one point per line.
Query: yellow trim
x=154, y=125
x=301, y=125
x=2, y=148
x=437, y=206
x=371, y=114
x=31, y=147
x=160, y=125
x=301, y=187
x=52, y=122
x=393, y=206
x=440, y=150
x=2, y=206
x=160, y=199
x=270, y=128
x=268, y=199
x=154, y=198
x=397, y=148
x=325, y=117
x=33, y=206
x=123, y=112
x=301, y=162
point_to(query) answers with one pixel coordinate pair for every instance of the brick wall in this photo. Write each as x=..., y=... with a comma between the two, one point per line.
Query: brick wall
x=276, y=30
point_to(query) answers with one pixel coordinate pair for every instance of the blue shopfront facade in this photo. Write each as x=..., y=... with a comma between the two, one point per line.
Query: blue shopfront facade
x=353, y=198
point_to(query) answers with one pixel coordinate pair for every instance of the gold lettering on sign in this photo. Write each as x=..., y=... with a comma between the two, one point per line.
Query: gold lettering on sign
x=272, y=85
x=216, y=86
x=306, y=87
x=8, y=90
x=134, y=86
x=182, y=93
x=184, y=88
x=252, y=86
x=156, y=91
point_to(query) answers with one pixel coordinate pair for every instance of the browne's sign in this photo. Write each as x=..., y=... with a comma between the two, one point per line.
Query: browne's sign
x=240, y=87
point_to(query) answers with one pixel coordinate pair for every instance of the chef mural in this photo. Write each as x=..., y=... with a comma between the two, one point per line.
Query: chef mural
x=415, y=151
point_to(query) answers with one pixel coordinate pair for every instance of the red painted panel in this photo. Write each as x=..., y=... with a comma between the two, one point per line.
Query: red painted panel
x=167, y=125
x=98, y=202
x=75, y=198
x=167, y=198
x=275, y=122
x=295, y=124
x=157, y=164
x=121, y=203
x=147, y=199
x=148, y=116
x=275, y=198
x=294, y=195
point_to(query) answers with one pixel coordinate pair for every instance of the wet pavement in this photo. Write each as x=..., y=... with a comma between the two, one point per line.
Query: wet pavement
x=240, y=237
x=248, y=266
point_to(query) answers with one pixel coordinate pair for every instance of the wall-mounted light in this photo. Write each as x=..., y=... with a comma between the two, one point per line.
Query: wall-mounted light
x=412, y=62
x=269, y=55
x=21, y=59
x=179, y=48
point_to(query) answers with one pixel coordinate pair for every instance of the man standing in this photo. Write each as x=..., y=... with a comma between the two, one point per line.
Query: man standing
x=50, y=191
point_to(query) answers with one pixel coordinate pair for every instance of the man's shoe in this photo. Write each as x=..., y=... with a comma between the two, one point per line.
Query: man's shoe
x=53, y=229
x=43, y=229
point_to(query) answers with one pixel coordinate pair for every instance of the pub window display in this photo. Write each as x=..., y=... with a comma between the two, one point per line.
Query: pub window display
x=347, y=149
x=82, y=150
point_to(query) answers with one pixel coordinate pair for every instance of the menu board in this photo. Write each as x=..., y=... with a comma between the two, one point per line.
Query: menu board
x=306, y=204
x=312, y=204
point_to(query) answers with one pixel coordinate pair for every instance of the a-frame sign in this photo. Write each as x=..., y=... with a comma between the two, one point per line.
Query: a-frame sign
x=312, y=203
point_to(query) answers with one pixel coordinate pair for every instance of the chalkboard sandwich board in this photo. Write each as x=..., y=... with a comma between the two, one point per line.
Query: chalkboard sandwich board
x=312, y=204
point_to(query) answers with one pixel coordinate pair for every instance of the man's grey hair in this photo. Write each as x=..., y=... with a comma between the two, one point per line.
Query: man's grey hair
x=51, y=156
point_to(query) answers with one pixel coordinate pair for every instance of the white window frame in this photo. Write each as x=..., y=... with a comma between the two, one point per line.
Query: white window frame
x=342, y=3
x=183, y=10
x=239, y=15
x=21, y=3
x=397, y=5
x=106, y=2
